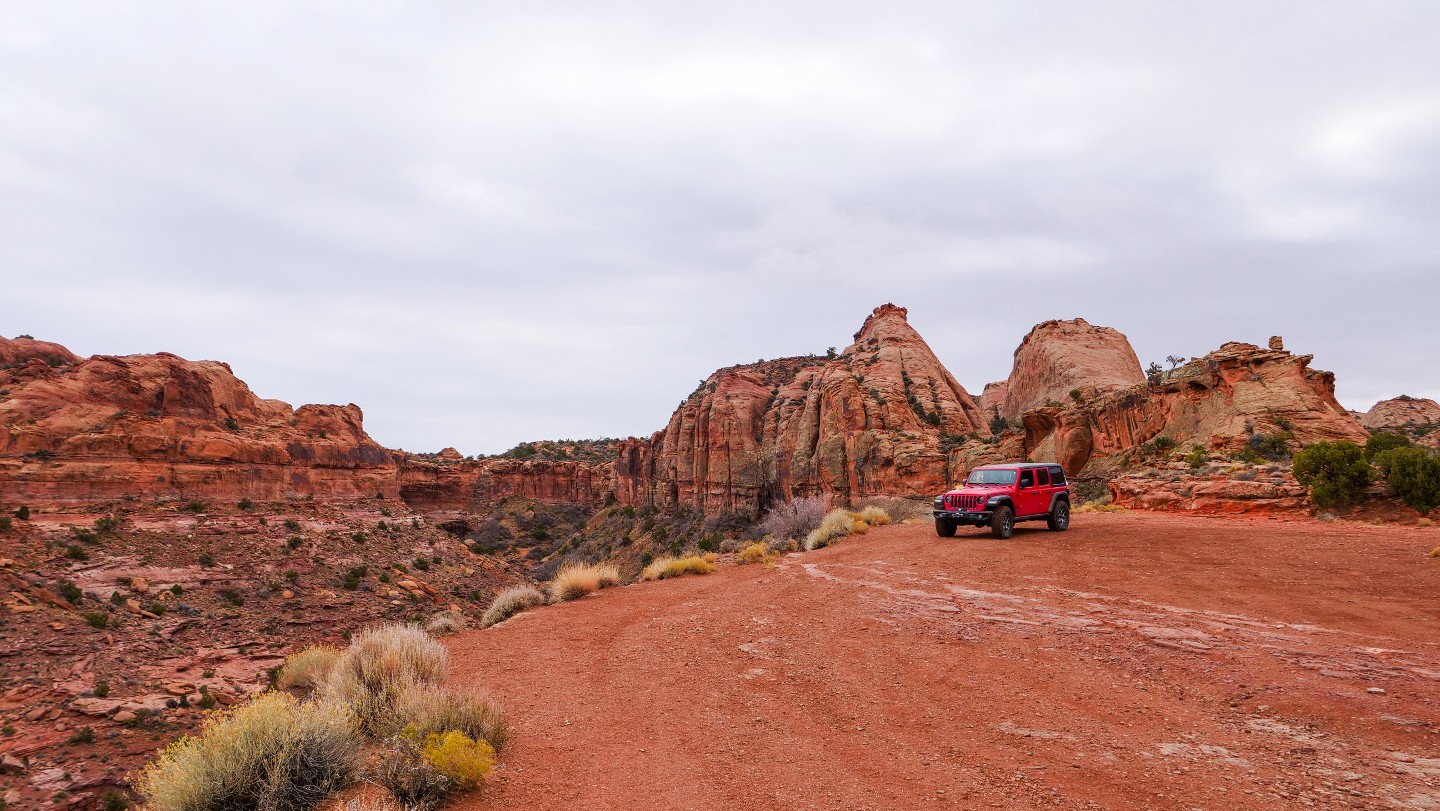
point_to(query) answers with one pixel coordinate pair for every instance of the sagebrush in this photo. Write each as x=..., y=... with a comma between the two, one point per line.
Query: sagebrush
x=381, y=664
x=274, y=753
x=794, y=519
x=307, y=669
x=431, y=710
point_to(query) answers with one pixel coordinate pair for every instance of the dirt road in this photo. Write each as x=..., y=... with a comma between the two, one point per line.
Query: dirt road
x=1136, y=661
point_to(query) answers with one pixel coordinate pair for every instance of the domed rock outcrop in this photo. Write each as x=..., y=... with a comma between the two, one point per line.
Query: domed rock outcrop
x=1058, y=357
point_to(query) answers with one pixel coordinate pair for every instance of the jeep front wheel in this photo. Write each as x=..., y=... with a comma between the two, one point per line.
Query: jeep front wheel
x=1002, y=523
x=945, y=529
x=1059, y=520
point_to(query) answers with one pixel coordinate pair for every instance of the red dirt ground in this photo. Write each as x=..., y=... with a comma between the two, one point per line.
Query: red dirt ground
x=1137, y=661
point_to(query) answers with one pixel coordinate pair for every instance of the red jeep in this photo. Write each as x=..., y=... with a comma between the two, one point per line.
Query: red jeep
x=1000, y=495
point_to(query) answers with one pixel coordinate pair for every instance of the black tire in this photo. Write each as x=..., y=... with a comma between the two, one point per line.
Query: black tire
x=1059, y=519
x=1002, y=523
x=943, y=528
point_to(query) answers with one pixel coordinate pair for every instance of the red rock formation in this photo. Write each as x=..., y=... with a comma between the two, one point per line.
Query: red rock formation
x=1402, y=412
x=23, y=350
x=159, y=425
x=1058, y=357
x=866, y=422
x=1277, y=494
x=474, y=486
x=1218, y=401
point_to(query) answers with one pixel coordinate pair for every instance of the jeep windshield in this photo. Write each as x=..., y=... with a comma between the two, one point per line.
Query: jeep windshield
x=991, y=477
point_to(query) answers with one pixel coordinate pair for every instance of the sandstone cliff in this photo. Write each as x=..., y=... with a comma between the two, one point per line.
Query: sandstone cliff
x=1058, y=357
x=868, y=421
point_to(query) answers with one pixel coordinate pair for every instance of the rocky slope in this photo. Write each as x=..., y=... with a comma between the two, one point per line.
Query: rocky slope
x=869, y=421
x=1058, y=357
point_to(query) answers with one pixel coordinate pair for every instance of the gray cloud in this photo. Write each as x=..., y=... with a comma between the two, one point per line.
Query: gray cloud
x=487, y=225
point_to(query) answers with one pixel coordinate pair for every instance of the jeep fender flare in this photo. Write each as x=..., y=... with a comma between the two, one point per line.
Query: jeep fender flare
x=1003, y=502
x=1056, y=499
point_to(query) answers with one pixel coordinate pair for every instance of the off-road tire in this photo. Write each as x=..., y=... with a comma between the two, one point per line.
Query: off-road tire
x=1059, y=518
x=945, y=529
x=1002, y=523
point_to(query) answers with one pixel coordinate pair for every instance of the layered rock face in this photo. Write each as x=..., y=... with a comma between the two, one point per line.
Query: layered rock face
x=159, y=425
x=1218, y=401
x=866, y=422
x=1058, y=357
x=473, y=486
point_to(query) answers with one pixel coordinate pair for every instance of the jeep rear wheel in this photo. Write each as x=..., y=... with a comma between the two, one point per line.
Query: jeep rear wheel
x=1002, y=523
x=945, y=529
x=1059, y=519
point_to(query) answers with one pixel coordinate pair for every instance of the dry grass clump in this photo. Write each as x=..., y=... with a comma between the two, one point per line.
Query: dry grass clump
x=436, y=710
x=795, y=519
x=675, y=567
x=1435, y=553
x=307, y=669
x=1099, y=507
x=897, y=509
x=446, y=622
x=874, y=516
x=273, y=753
x=758, y=552
x=381, y=664
x=575, y=580
x=836, y=525
x=1423, y=522
x=510, y=602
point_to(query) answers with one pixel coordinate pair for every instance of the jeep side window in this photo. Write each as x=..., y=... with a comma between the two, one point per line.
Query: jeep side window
x=1027, y=479
x=1057, y=476
x=1042, y=477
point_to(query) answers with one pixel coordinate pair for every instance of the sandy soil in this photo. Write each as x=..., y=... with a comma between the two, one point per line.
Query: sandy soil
x=1136, y=661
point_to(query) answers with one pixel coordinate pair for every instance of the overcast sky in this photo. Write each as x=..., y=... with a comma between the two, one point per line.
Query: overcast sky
x=485, y=222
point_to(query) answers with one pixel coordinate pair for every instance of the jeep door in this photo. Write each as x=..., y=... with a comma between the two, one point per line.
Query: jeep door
x=1028, y=494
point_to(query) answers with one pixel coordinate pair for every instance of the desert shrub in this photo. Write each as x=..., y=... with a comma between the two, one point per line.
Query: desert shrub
x=435, y=710
x=510, y=602
x=246, y=504
x=459, y=757
x=998, y=424
x=6, y=523
x=1435, y=553
x=1413, y=475
x=70, y=592
x=381, y=664
x=101, y=689
x=1335, y=472
x=446, y=622
x=665, y=567
x=76, y=552
x=834, y=526
x=1270, y=446
x=273, y=753
x=874, y=516
x=575, y=580
x=1197, y=457
x=757, y=552
x=97, y=619
x=307, y=669
x=1381, y=442
x=794, y=519
x=113, y=800
x=23, y=513
x=411, y=779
